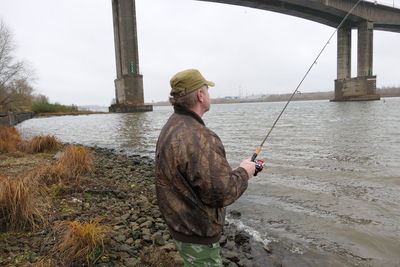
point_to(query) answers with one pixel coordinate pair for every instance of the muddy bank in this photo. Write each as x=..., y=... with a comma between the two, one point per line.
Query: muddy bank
x=121, y=193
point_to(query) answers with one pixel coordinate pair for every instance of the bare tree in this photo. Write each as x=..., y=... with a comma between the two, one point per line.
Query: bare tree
x=14, y=77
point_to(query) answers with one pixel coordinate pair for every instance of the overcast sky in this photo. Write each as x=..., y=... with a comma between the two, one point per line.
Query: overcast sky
x=70, y=45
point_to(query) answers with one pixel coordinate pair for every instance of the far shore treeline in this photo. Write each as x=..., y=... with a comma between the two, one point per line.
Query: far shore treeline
x=16, y=78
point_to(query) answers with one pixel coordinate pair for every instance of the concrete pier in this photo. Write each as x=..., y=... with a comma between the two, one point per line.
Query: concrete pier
x=362, y=87
x=129, y=83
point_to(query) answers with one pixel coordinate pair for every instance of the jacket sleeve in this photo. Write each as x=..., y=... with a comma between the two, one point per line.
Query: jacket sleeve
x=210, y=174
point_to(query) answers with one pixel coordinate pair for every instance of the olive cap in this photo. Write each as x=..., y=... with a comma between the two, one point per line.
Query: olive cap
x=187, y=81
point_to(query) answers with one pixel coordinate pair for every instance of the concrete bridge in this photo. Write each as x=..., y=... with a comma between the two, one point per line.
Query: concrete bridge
x=366, y=18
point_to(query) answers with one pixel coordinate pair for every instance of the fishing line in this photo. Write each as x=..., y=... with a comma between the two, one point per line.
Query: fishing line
x=258, y=148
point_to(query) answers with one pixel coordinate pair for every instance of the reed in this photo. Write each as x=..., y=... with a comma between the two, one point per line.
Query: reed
x=9, y=139
x=80, y=242
x=49, y=174
x=40, y=144
x=77, y=160
x=19, y=204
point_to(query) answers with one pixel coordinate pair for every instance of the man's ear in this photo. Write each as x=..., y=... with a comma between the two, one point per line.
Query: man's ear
x=200, y=95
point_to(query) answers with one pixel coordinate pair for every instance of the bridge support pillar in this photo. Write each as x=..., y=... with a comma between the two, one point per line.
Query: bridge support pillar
x=344, y=53
x=129, y=82
x=362, y=87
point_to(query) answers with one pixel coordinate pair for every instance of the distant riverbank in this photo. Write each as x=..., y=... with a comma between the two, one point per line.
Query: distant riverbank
x=384, y=92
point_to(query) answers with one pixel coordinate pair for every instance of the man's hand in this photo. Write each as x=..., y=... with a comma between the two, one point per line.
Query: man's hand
x=249, y=166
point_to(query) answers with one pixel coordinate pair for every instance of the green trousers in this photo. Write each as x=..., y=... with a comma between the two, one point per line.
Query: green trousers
x=198, y=255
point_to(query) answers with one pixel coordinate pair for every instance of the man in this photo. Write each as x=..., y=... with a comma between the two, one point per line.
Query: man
x=194, y=181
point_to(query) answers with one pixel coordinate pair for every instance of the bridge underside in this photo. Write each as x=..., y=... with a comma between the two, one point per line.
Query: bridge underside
x=365, y=18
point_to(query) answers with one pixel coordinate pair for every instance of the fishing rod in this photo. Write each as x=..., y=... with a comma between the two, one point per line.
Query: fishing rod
x=259, y=148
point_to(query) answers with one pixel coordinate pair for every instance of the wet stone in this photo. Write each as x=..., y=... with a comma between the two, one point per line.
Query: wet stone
x=130, y=262
x=158, y=239
x=125, y=217
x=120, y=238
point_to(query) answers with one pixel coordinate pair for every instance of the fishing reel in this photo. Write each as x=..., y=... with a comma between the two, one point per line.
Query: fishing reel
x=259, y=166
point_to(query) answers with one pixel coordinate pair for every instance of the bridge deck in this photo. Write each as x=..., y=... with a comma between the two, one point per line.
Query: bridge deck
x=329, y=12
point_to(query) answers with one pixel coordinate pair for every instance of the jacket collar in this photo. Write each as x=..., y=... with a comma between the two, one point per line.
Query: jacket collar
x=187, y=112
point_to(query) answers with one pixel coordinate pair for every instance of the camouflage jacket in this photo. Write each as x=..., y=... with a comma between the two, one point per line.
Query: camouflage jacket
x=194, y=181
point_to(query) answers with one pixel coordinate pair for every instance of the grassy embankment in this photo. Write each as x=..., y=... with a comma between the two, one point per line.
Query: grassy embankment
x=30, y=179
x=47, y=109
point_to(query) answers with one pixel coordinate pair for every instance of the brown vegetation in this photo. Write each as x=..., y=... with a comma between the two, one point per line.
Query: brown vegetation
x=80, y=242
x=40, y=144
x=50, y=174
x=9, y=139
x=77, y=161
x=19, y=204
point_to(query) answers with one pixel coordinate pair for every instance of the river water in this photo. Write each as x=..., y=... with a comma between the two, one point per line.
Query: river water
x=330, y=191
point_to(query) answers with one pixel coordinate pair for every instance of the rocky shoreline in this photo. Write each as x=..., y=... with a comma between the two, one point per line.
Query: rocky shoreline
x=140, y=222
x=121, y=194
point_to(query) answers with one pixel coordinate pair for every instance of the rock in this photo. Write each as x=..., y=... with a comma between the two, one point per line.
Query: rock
x=178, y=260
x=146, y=224
x=158, y=239
x=126, y=248
x=138, y=244
x=125, y=216
x=135, y=227
x=268, y=248
x=130, y=262
x=235, y=214
x=123, y=255
x=129, y=241
x=141, y=220
x=231, y=255
x=223, y=240
x=117, y=227
x=136, y=234
x=147, y=238
x=168, y=247
x=242, y=238
x=230, y=245
x=120, y=238
x=245, y=263
x=249, y=256
x=160, y=226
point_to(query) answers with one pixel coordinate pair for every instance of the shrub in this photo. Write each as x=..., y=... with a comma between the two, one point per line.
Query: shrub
x=49, y=174
x=9, y=139
x=77, y=160
x=47, y=108
x=80, y=242
x=19, y=207
x=40, y=144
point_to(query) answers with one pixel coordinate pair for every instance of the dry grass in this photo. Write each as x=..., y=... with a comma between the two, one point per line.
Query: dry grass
x=74, y=162
x=9, y=139
x=19, y=204
x=80, y=242
x=40, y=144
x=77, y=160
x=49, y=174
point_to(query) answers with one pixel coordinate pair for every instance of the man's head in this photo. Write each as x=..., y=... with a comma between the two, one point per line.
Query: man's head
x=189, y=88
